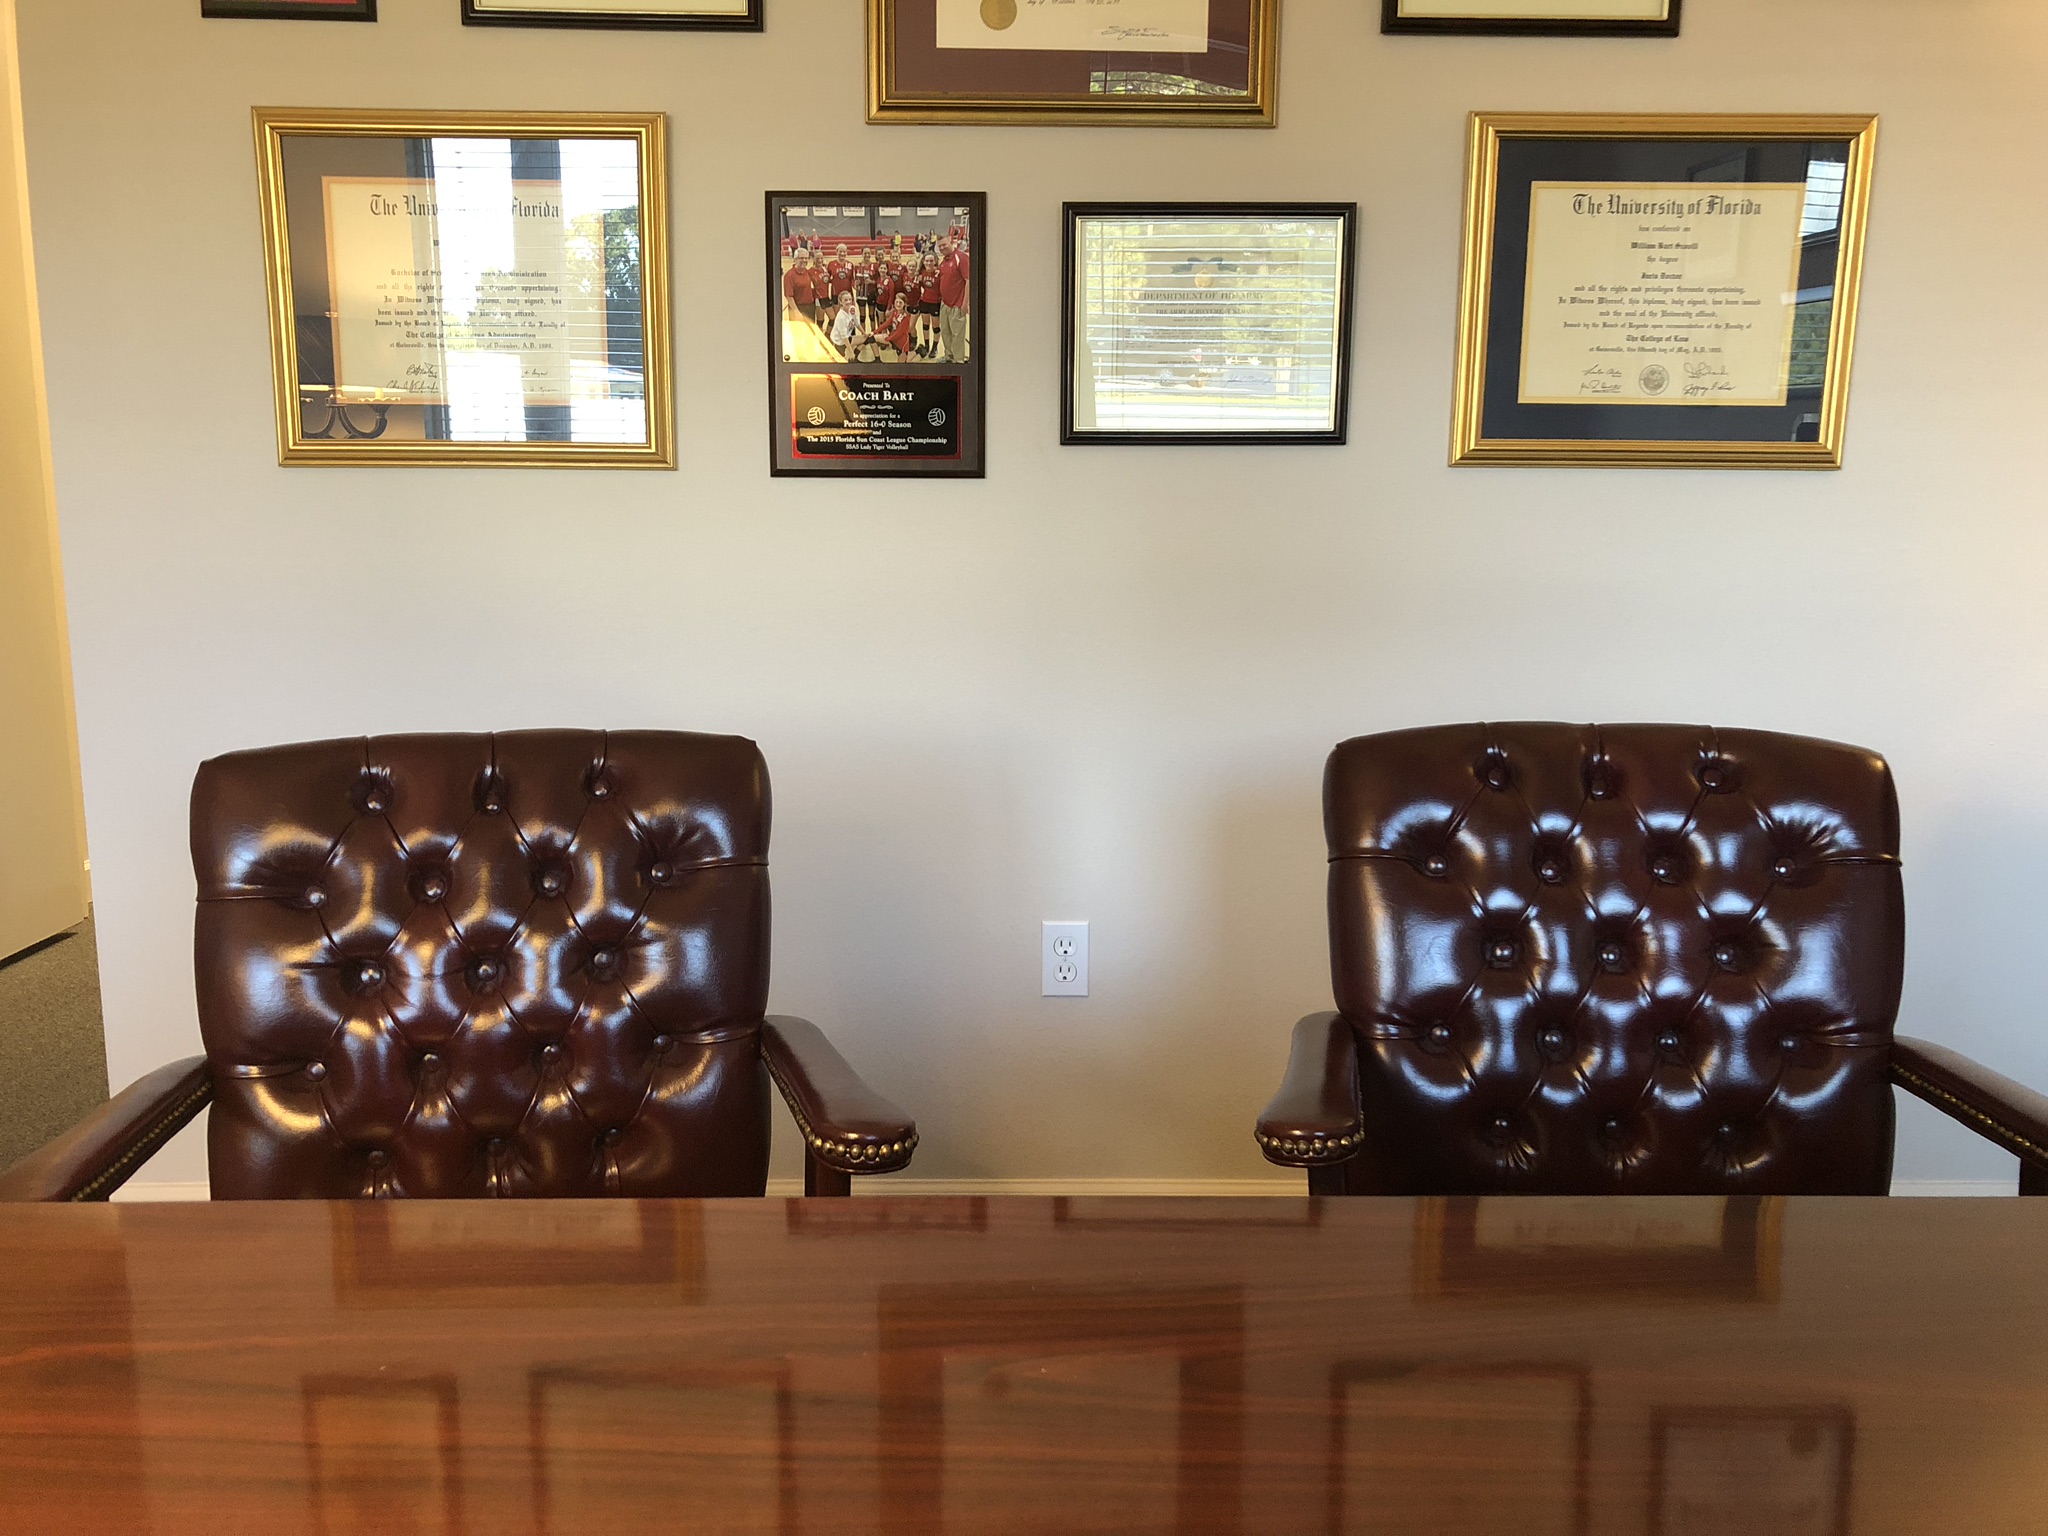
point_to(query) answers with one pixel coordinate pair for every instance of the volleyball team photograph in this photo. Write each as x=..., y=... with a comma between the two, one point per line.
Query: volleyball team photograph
x=876, y=284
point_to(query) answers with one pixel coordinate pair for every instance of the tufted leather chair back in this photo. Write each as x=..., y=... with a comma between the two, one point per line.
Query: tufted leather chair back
x=1651, y=959
x=524, y=964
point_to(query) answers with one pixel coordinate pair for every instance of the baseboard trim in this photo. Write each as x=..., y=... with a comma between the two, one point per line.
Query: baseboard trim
x=161, y=1191
x=166, y=1191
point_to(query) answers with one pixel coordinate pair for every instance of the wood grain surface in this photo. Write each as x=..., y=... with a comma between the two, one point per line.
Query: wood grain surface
x=1571, y=1366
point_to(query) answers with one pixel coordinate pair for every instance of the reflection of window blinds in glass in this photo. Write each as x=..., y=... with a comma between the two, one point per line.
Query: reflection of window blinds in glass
x=1825, y=182
x=1210, y=324
x=539, y=285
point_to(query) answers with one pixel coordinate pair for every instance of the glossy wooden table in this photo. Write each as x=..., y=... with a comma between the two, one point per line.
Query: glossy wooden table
x=1692, y=1367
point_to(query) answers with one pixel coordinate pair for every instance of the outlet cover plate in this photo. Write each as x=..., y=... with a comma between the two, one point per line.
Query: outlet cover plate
x=1063, y=952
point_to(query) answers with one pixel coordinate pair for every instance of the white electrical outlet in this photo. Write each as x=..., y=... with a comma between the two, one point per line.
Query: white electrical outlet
x=1064, y=959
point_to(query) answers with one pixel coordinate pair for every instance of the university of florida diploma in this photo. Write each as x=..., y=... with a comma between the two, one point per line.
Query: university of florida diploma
x=1679, y=293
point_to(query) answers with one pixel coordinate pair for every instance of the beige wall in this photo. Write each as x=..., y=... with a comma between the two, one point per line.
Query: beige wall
x=1101, y=683
x=42, y=853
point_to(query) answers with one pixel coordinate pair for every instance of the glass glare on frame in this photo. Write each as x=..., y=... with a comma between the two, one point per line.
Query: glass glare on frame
x=487, y=290
x=1208, y=324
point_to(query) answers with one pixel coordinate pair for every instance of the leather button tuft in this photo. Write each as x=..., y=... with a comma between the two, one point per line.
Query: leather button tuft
x=430, y=1061
x=492, y=806
x=1728, y=956
x=379, y=1158
x=495, y=1145
x=1495, y=774
x=1502, y=1125
x=1665, y=868
x=316, y=1070
x=1784, y=869
x=1725, y=1132
x=663, y=1042
x=1436, y=866
x=1549, y=871
x=1612, y=957
x=1713, y=778
x=1439, y=1034
x=369, y=975
x=1500, y=954
x=1789, y=1044
x=600, y=789
x=1553, y=1039
x=604, y=962
x=1611, y=1129
x=661, y=874
x=550, y=882
x=1667, y=1041
x=434, y=887
x=614, y=1136
x=551, y=1053
x=484, y=974
x=315, y=897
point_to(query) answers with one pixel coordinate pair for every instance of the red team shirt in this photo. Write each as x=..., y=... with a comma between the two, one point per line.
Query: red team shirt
x=799, y=286
x=953, y=281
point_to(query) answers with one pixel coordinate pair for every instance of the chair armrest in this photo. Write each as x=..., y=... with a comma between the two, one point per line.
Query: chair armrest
x=95, y=1157
x=1314, y=1119
x=1988, y=1102
x=846, y=1124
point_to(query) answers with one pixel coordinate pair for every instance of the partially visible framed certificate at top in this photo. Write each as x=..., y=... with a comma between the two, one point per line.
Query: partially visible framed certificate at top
x=468, y=288
x=1185, y=63
x=1666, y=291
x=1535, y=18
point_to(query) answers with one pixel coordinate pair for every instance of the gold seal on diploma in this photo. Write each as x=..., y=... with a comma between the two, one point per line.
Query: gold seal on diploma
x=998, y=14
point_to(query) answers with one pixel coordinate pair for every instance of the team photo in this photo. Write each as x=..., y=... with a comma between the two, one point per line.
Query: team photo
x=875, y=283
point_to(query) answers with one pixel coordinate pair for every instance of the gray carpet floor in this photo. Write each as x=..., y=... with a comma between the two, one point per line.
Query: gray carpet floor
x=53, y=1046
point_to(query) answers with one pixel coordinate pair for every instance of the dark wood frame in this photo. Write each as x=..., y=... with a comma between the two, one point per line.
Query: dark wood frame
x=1344, y=1372
x=974, y=446
x=1391, y=20
x=625, y=21
x=1071, y=215
x=1664, y=1420
x=285, y=10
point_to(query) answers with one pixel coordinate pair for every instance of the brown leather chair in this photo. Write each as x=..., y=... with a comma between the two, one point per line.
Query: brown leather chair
x=1647, y=959
x=524, y=964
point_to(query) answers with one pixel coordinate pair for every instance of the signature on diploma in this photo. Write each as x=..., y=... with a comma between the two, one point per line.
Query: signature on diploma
x=1122, y=34
x=1707, y=379
x=1600, y=380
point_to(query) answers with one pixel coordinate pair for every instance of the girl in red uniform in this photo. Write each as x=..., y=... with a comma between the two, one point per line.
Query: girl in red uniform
x=896, y=329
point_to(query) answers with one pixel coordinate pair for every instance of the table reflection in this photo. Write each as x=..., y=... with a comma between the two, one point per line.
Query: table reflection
x=1696, y=1367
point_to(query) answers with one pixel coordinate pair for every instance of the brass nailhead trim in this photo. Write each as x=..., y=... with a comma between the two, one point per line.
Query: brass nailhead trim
x=1313, y=1150
x=847, y=1156
x=146, y=1145
x=1999, y=1130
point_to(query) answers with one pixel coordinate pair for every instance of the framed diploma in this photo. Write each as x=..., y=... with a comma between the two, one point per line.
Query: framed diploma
x=1535, y=18
x=1666, y=291
x=292, y=10
x=875, y=325
x=468, y=288
x=1192, y=63
x=1207, y=322
x=646, y=15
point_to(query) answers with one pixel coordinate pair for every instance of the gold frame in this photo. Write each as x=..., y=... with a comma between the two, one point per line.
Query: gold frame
x=649, y=129
x=1470, y=445
x=888, y=105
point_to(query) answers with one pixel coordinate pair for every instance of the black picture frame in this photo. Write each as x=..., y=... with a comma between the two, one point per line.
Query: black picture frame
x=1073, y=214
x=964, y=384
x=288, y=10
x=621, y=22
x=1392, y=21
